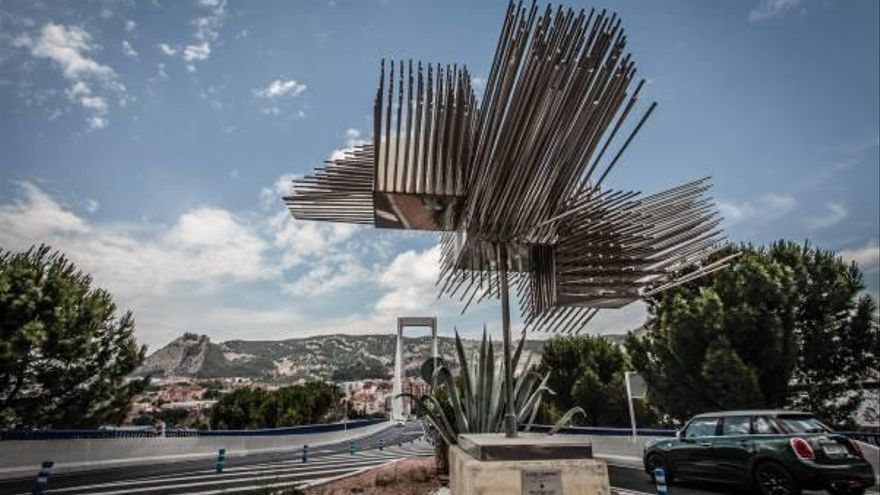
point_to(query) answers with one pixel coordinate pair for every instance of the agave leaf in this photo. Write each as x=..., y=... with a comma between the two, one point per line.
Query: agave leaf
x=448, y=436
x=524, y=387
x=531, y=401
x=437, y=413
x=518, y=352
x=443, y=373
x=494, y=382
x=498, y=404
x=483, y=395
x=565, y=419
x=534, y=413
x=466, y=386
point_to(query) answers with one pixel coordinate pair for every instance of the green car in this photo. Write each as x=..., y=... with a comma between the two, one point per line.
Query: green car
x=777, y=452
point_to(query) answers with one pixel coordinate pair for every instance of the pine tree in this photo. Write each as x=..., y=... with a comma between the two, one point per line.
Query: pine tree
x=784, y=326
x=64, y=354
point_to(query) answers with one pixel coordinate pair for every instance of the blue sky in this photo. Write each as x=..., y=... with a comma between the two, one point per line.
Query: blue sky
x=152, y=140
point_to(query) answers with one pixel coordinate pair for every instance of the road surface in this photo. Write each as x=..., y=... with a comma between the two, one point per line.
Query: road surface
x=259, y=473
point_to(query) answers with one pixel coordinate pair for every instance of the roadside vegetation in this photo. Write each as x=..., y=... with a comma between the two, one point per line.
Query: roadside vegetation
x=65, y=353
x=249, y=408
x=787, y=325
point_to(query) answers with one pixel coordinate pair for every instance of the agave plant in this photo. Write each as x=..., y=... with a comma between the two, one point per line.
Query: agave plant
x=476, y=404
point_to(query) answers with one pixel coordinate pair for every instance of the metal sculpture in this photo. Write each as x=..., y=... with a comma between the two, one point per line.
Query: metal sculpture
x=515, y=182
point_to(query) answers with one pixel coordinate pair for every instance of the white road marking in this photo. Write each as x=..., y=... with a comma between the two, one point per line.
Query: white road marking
x=265, y=474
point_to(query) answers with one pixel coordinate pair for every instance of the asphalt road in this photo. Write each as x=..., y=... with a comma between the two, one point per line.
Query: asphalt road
x=258, y=473
x=242, y=474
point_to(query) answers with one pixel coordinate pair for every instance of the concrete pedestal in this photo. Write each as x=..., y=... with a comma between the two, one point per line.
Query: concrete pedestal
x=530, y=464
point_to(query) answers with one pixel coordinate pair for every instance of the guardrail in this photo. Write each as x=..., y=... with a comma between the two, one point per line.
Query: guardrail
x=181, y=433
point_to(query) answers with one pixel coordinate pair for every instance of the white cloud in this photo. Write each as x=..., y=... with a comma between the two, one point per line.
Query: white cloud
x=80, y=92
x=270, y=111
x=197, y=53
x=332, y=274
x=611, y=321
x=409, y=281
x=167, y=49
x=35, y=215
x=834, y=213
x=283, y=186
x=478, y=84
x=206, y=30
x=352, y=139
x=91, y=205
x=128, y=50
x=69, y=48
x=205, y=247
x=762, y=209
x=175, y=276
x=299, y=240
x=279, y=88
x=130, y=26
x=768, y=9
x=867, y=257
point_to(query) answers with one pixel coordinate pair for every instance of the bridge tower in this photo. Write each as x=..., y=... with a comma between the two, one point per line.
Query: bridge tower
x=397, y=404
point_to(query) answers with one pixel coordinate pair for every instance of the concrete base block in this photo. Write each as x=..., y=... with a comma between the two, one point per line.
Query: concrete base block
x=573, y=476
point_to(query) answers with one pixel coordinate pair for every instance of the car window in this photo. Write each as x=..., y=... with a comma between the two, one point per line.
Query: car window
x=701, y=427
x=801, y=423
x=736, y=425
x=763, y=426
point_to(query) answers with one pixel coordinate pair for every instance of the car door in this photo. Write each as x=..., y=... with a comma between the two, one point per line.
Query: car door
x=731, y=449
x=691, y=455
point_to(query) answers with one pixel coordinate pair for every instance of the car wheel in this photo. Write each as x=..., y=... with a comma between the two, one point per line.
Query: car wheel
x=657, y=461
x=773, y=479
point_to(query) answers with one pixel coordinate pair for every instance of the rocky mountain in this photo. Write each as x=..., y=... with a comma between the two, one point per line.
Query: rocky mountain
x=327, y=357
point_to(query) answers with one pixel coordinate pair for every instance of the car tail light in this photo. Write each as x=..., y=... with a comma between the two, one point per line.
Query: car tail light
x=802, y=449
x=856, y=448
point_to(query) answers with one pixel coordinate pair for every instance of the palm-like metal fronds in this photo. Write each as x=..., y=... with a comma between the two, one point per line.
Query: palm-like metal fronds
x=473, y=403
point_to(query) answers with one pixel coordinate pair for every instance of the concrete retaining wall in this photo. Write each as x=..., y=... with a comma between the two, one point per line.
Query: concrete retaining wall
x=23, y=457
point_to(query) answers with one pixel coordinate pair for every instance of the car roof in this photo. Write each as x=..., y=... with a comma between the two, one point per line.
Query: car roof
x=751, y=412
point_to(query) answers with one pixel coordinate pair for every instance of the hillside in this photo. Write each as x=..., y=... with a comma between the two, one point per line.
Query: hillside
x=328, y=357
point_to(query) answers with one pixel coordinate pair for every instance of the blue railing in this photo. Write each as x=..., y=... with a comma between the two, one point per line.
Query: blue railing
x=179, y=432
x=606, y=431
x=870, y=437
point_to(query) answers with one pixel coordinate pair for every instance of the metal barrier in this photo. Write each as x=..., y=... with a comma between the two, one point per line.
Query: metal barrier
x=598, y=430
x=180, y=433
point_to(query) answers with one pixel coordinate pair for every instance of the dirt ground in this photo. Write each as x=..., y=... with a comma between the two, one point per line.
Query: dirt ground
x=411, y=476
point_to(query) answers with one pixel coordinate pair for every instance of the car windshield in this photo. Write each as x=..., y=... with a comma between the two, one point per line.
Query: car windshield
x=801, y=423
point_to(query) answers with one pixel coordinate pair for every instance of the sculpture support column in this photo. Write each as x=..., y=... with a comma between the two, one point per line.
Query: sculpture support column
x=510, y=428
